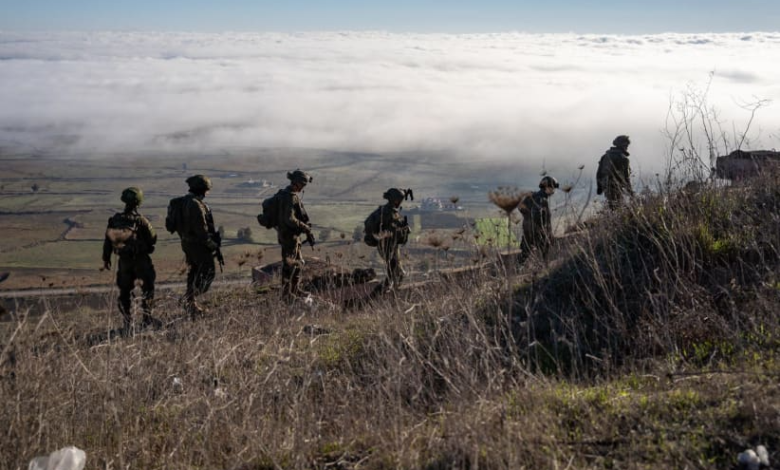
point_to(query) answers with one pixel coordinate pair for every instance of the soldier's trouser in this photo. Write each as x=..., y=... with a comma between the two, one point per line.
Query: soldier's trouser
x=292, y=266
x=534, y=237
x=614, y=195
x=391, y=254
x=202, y=269
x=128, y=271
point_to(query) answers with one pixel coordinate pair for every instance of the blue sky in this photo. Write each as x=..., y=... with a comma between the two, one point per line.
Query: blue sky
x=582, y=16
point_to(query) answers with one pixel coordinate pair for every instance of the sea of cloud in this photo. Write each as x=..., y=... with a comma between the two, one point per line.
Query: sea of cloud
x=545, y=99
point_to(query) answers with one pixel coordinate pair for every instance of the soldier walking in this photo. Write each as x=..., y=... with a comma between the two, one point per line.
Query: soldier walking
x=537, y=220
x=293, y=221
x=200, y=241
x=389, y=232
x=613, y=177
x=131, y=237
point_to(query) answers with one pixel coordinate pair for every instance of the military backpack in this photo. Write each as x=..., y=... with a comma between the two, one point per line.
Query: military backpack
x=269, y=218
x=174, y=221
x=122, y=232
x=372, y=226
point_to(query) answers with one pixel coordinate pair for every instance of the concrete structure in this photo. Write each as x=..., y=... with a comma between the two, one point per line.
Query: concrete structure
x=741, y=164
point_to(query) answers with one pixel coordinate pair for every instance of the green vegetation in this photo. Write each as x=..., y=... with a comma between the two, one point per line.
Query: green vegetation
x=495, y=232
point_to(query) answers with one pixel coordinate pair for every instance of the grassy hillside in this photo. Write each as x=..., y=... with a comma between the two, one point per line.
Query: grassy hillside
x=650, y=339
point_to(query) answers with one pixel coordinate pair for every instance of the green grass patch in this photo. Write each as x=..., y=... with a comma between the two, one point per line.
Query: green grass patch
x=495, y=232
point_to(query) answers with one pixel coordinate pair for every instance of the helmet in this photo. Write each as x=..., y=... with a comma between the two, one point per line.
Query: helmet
x=133, y=196
x=621, y=140
x=398, y=194
x=299, y=176
x=548, y=182
x=394, y=194
x=199, y=183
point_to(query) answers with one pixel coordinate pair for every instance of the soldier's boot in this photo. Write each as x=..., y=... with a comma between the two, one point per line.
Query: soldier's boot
x=291, y=289
x=192, y=308
x=196, y=311
x=288, y=297
x=378, y=291
x=127, y=314
x=148, y=319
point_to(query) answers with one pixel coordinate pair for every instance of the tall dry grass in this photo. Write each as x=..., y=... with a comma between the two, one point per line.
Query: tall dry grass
x=669, y=272
x=576, y=371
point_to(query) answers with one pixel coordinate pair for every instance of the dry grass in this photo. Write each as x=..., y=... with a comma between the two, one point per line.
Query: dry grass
x=636, y=350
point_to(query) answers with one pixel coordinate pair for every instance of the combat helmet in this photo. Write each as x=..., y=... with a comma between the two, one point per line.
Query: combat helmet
x=398, y=194
x=548, y=182
x=621, y=141
x=299, y=176
x=132, y=196
x=199, y=183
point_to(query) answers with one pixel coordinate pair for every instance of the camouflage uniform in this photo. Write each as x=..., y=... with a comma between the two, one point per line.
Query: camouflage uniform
x=293, y=222
x=134, y=261
x=199, y=241
x=393, y=233
x=614, y=173
x=537, y=224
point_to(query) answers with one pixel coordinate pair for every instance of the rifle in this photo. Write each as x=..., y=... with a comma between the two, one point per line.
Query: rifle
x=310, y=239
x=218, y=252
x=402, y=232
x=220, y=260
x=304, y=217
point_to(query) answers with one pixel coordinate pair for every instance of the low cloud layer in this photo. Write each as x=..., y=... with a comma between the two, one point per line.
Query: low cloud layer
x=547, y=99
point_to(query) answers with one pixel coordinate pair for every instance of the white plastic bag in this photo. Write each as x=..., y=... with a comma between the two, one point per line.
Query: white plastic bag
x=68, y=458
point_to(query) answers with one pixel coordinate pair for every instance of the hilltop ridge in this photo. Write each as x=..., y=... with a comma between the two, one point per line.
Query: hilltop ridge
x=648, y=340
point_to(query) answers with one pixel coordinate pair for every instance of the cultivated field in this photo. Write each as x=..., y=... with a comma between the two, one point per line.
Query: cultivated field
x=53, y=208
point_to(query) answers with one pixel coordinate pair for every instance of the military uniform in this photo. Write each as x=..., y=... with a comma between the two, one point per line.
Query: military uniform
x=199, y=241
x=131, y=237
x=293, y=222
x=393, y=233
x=537, y=224
x=614, y=174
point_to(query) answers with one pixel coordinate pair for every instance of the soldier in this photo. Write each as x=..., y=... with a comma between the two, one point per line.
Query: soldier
x=391, y=231
x=293, y=221
x=131, y=237
x=200, y=242
x=613, y=177
x=537, y=221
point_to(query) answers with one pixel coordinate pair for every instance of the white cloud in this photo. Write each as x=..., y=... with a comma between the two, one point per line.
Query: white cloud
x=558, y=98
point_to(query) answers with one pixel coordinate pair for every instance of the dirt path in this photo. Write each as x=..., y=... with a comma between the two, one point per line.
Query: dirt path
x=40, y=293
x=354, y=187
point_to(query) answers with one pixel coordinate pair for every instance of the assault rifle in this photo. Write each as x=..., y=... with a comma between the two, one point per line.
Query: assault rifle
x=310, y=239
x=218, y=252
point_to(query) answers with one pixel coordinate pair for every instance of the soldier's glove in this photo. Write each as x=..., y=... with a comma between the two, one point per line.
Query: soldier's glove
x=211, y=245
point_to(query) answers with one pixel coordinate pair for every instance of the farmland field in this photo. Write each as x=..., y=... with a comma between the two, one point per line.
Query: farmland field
x=54, y=207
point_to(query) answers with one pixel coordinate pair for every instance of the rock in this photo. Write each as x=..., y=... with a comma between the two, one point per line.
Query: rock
x=178, y=387
x=763, y=455
x=315, y=330
x=749, y=460
x=68, y=458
